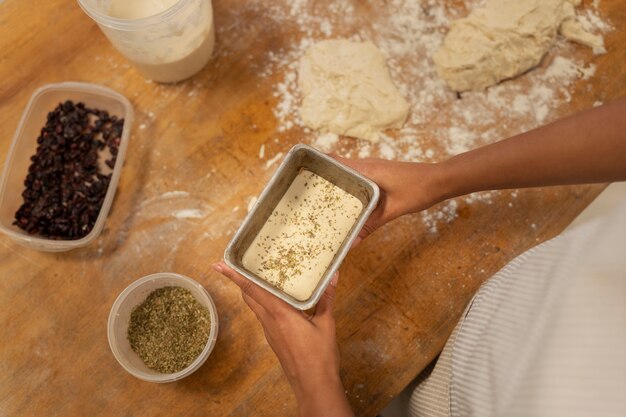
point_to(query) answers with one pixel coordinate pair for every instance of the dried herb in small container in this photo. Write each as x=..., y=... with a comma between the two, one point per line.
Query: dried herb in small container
x=169, y=330
x=121, y=327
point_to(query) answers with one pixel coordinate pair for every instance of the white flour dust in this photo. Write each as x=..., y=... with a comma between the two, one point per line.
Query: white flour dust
x=275, y=159
x=188, y=214
x=173, y=206
x=441, y=123
x=408, y=32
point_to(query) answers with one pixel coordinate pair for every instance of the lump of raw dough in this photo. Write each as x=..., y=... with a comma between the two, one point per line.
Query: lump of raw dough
x=505, y=39
x=347, y=90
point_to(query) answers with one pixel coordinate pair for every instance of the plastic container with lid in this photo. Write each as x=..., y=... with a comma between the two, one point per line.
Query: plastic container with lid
x=134, y=295
x=24, y=145
x=169, y=46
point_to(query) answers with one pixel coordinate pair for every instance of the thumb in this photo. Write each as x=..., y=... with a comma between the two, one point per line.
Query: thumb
x=326, y=304
x=251, y=290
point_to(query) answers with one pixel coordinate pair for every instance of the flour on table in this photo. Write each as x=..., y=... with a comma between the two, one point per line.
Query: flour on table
x=173, y=194
x=188, y=214
x=273, y=160
x=409, y=33
x=326, y=141
x=347, y=90
x=506, y=38
x=251, y=203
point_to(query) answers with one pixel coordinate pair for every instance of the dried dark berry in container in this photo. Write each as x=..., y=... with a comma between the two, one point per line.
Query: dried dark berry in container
x=68, y=177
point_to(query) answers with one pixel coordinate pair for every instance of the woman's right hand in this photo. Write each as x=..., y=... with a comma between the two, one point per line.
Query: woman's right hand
x=589, y=147
x=405, y=187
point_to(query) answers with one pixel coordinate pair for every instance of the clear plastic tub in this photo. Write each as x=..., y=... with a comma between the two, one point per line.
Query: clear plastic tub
x=134, y=295
x=169, y=46
x=24, y=145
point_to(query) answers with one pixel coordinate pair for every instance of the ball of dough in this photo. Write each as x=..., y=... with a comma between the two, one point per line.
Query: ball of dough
x=347, y=90
x=504, y=39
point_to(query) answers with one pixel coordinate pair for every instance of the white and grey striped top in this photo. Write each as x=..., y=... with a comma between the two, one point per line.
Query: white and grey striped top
x=545, y=336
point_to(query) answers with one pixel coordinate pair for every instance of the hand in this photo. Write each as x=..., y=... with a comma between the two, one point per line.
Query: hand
x=305, y=345
x=406, y=187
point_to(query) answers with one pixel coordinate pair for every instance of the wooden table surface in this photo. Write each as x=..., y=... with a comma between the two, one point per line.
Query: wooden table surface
x=195, y=145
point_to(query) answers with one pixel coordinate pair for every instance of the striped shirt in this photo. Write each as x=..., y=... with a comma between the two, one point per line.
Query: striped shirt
x=545, y=336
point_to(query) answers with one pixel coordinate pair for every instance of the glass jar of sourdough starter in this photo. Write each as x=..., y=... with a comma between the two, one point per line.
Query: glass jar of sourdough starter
x=166, y=40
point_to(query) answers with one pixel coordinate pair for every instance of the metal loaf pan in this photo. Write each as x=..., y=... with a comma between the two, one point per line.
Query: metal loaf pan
x=299, y=157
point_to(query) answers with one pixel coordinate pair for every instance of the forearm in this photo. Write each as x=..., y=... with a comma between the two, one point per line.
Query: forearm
x=589, y=147
x=327, y=399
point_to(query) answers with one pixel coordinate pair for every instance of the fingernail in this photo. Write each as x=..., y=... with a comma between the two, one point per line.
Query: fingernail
x=218, y=268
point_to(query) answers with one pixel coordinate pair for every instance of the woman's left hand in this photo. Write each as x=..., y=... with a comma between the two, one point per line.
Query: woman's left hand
x=305, y=345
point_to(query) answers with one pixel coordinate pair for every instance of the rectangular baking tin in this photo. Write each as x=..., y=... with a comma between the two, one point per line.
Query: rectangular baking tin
x=299, y=157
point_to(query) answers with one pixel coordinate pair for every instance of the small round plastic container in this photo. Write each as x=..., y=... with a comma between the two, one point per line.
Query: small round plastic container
x=134, y=295
x=24, y=145
x=168, y=46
